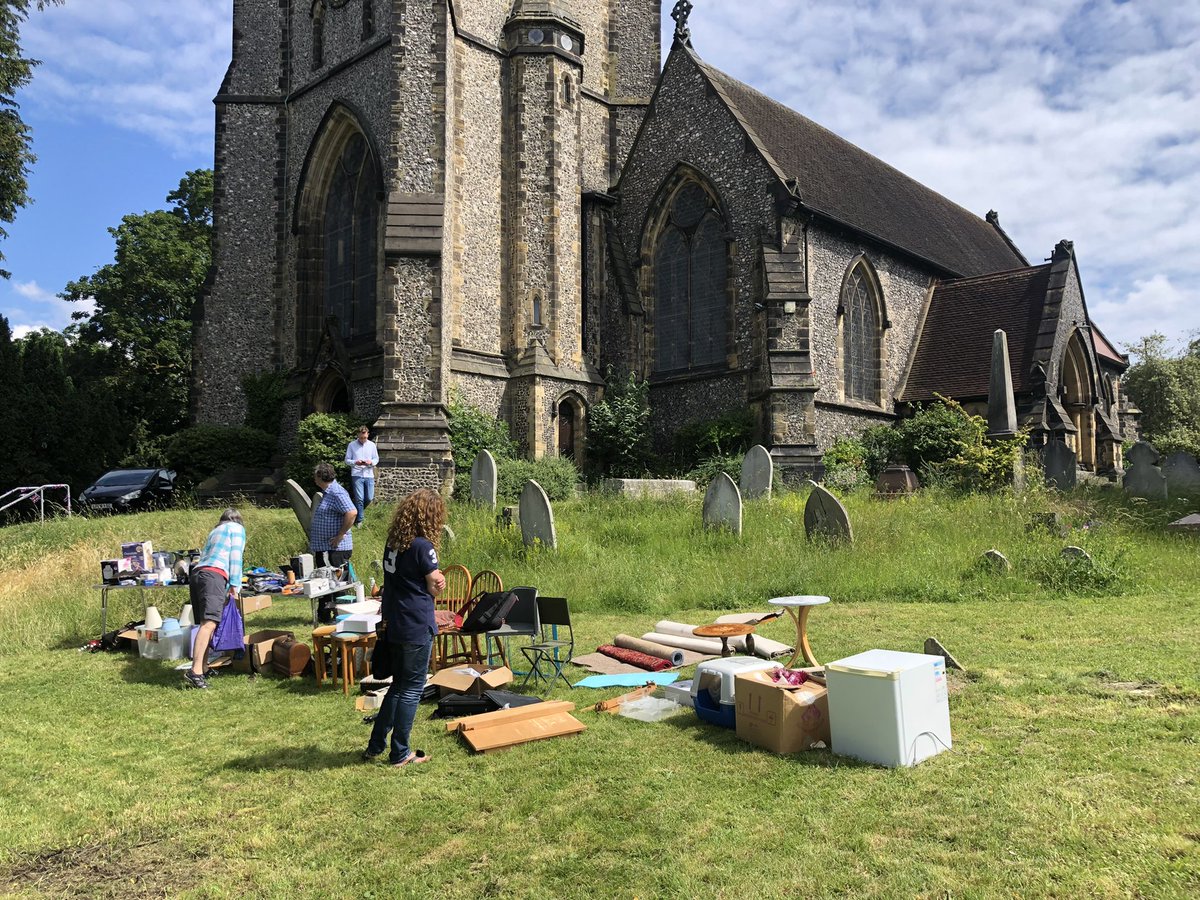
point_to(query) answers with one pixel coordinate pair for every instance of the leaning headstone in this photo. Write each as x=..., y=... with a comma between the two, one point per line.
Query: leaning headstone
x=537, y=518
x=447, y=534
x=1076, y=553
x=483, y=480
x=1182, y=474
x=1187, y=523
x=933, y=647
x=1002, y=405
x=825, y=515
x=1060, y=465
x=996, y=561
x=1144, y=478
x=758, y=473
x=301, y=504
x=723, y=505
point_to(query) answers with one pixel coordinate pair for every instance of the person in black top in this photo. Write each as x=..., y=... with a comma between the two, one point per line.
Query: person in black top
x=411, y=580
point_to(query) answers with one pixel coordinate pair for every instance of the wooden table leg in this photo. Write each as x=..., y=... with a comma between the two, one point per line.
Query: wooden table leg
x=802, y=636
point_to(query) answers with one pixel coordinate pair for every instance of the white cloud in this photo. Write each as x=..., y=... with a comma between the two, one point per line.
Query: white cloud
x=152, y=68
x=1076, y=119
x=31, y=290
x=25, y=329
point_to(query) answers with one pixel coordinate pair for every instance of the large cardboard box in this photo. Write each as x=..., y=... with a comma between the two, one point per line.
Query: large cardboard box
x=257, y=657
x=470, y=679
x=780, y=717
x=254, y=603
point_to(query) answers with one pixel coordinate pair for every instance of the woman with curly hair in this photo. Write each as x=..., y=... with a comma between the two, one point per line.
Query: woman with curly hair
x=410, y=581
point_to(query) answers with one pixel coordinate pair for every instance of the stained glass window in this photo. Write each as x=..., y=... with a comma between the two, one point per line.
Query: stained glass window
x=691, y=269
x=351, y=242
x=860, y=339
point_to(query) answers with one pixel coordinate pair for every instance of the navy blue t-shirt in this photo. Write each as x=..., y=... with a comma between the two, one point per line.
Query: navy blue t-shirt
x=407, y=604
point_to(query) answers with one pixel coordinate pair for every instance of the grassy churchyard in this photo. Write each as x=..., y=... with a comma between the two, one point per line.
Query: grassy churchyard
x=1075, y=770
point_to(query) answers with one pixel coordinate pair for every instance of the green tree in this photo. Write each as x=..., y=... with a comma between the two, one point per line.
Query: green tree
x=619, y=428
x=1165, y=386
x=16, y=139
x=144, y=298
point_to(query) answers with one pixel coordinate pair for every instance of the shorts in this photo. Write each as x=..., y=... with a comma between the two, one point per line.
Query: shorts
x=207, y=590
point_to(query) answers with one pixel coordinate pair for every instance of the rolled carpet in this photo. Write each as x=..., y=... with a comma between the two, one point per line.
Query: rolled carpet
x=711, y=647
x=673, y=655
x=641, y=660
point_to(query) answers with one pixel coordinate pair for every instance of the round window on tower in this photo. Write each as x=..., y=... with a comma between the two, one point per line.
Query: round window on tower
x=566, y=43
x=536, y=36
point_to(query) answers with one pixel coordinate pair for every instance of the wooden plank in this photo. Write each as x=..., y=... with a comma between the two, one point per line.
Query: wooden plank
x=516, y=714
x=556, y=725
x=611, y=706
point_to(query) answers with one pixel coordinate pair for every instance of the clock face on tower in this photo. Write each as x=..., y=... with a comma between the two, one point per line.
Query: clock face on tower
x=566, y=43
x=536, y=36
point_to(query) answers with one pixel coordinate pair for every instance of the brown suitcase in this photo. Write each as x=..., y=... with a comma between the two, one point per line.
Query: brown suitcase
x=289, y=657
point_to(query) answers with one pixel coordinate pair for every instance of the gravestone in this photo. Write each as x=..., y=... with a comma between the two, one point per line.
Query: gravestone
x=825, y=515
x=933, y=647
x=1144, y=478
x=301, y=504
x=537, y=518
x=483, y=480
x=758, y=473
x=647, y=488
x=723, y=505
x=1187, y=523
x=996, y=561
x=1060, y=465
x=1182, y=474
x=1002, y=405
x=1076, y=553
x=448, y=534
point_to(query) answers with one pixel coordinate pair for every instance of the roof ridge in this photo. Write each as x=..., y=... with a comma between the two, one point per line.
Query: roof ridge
x=1003, y=273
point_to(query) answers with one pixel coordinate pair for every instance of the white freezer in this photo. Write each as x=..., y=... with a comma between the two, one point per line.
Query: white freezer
x=888, y=707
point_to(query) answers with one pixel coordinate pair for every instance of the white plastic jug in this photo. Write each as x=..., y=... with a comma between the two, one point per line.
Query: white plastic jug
x=153, y=618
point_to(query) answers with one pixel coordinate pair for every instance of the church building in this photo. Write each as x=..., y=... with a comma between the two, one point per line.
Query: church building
x=503, y=199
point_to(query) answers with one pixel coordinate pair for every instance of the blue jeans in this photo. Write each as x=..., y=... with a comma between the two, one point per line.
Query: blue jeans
x=363, y=491
x=410, y=662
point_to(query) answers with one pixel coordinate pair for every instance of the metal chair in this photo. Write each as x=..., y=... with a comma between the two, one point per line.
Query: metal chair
x=522, y=621
x=550, y=647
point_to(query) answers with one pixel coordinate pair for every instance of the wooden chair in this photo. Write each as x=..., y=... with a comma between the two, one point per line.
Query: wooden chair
x=450, y=646
x=485, y=582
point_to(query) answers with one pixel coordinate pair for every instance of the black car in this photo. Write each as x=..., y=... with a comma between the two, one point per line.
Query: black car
x=122, y=490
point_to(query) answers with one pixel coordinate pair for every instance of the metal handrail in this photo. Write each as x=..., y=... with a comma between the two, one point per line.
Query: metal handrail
x=35, y=491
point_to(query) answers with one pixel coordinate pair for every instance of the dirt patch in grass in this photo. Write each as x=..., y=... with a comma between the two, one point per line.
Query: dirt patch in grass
x=151, y=867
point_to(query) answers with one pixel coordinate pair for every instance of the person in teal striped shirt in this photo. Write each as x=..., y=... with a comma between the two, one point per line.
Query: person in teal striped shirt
x=217, y=575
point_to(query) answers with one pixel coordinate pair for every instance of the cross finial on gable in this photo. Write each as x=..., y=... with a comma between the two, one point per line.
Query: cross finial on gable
x=680, y=14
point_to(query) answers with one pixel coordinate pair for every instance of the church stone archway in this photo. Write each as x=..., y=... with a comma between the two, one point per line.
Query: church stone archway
x=569, y=415
x=1078, y=401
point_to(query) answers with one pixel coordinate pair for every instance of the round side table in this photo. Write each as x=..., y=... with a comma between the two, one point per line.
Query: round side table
x=798, y=608
x=725, y=632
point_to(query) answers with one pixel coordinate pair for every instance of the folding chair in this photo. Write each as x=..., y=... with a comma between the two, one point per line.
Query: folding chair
x=521, y=621
x=550, y=648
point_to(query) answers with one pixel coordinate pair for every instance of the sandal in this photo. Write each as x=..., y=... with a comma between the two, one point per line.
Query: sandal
x=415, y=758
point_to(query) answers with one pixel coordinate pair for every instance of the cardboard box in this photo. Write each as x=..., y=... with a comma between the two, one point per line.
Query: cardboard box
x=257, y=657
x=140, y=555
x=254, y=604
x=470, y=679
x=780, y=717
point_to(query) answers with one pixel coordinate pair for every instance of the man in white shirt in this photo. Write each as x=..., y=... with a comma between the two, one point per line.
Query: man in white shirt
x=362, y=456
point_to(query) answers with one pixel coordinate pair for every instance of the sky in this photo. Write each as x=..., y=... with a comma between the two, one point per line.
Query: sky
x=1076, y=119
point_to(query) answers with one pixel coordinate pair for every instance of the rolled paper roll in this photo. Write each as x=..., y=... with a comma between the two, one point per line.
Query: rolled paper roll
x=153, y=617
x=673, y=655
x=707, y=646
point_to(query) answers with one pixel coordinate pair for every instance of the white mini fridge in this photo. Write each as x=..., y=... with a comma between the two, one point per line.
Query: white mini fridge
x=888, y=707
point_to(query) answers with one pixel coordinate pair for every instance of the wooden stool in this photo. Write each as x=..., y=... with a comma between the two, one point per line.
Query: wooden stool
x=346, y=647
x=322, y=641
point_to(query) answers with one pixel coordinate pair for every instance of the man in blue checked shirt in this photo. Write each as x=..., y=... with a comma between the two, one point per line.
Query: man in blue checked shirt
x=217, y=575
x=329, y=534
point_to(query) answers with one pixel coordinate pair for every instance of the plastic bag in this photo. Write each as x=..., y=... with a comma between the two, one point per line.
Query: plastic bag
x=229, y=634
x=649, y=709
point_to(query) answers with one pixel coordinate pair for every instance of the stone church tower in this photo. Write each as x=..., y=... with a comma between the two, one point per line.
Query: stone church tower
x=403, y=190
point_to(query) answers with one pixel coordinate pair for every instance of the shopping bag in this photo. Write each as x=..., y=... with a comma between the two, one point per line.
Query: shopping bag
x=381, y=656
x=229, y=634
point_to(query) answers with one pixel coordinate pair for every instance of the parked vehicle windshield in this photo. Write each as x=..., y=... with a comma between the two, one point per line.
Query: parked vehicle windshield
x=126, y=477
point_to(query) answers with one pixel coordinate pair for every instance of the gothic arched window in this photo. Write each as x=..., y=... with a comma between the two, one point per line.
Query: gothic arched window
x=691, y=290
x=351, y=238
x=860, y=336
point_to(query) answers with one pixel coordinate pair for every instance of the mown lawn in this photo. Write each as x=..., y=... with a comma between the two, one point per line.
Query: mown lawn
x=1074, y=771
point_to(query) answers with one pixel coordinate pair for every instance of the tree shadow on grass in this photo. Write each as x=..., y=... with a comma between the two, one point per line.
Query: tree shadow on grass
x=308, y=758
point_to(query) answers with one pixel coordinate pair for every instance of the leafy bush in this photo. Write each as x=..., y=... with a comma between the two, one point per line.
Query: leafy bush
x=472, y=430
x=937, y=433
x=1176, y=440
x=881, y=447
x=264, y=400
x=846, y=464
x=557, y=476
x=711, y=467
x=322, y=437
x=201, y=451
x=723, y=437
x=619, y=429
